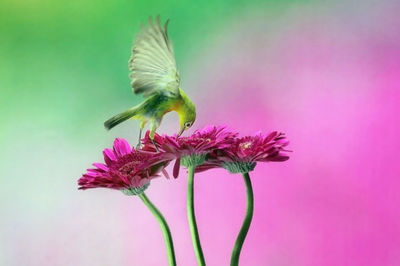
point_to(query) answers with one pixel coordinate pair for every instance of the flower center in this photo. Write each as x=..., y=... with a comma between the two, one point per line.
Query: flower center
x=245, y=145
x=128, y=169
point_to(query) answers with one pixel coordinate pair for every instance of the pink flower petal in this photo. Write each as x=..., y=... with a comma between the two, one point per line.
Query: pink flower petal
x=109, y=156
x=124, y=168
x=177, y=164
x=165, y=173
x=121, y=147
x=101, y=166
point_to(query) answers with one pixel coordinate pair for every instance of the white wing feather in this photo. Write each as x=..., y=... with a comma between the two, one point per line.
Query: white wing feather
x=152, y=65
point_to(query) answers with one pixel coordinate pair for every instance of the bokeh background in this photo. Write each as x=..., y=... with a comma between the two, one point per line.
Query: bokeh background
x=325, y=72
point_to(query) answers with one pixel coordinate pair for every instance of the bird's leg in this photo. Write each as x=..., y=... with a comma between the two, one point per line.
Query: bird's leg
x=155, y=145
x=138, y=146
x=151, y=135
x=142, y=124
x=153, y=129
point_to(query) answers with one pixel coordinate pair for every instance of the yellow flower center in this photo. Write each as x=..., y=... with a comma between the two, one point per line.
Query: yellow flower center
x=245, y=145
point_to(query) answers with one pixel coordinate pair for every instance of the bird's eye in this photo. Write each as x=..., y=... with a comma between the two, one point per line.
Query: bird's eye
x=188, y=124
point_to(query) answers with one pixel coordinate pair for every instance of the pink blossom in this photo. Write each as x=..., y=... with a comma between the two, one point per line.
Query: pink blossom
x=124, y=168
x=200, y=142
x=258, y=148
x=249, y=150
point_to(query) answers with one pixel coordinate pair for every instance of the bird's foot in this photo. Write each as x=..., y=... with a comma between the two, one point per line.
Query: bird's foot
x=155, y=145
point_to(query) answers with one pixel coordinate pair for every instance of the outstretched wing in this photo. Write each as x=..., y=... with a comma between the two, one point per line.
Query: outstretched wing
x=152, y=65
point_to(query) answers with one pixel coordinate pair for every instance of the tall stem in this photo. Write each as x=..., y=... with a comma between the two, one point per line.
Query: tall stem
x=192, y=218
x=164, y=227
x=246, y=222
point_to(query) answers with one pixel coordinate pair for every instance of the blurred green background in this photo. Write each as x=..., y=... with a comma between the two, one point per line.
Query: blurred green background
x=64, y=64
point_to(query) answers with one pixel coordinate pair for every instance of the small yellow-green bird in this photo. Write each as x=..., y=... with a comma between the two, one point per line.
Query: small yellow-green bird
x=153, y=72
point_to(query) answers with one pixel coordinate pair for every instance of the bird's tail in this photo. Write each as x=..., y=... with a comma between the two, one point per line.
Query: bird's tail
x=119, y=118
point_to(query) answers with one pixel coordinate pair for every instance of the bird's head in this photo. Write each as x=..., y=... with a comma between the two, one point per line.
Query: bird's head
x=187, y=113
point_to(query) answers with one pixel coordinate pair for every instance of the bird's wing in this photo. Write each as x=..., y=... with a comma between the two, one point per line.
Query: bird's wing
x=152, y=65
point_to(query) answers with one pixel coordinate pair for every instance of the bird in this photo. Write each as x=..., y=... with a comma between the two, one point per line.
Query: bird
x=154, y=74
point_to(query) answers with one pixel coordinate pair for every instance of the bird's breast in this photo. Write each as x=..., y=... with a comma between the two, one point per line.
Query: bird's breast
x=158, y=106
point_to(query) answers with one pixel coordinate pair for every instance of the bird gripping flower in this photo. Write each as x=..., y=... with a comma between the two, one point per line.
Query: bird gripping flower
x=155, y=75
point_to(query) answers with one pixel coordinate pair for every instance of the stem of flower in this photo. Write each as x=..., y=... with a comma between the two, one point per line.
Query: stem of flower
x=192, y=218
x=164, y=227
x=246, y=222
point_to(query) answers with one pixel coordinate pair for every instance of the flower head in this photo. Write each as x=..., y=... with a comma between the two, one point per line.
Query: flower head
x=200, y=142
x=258, y=148
x=194, y=148
x=243, y=154
x=125, y=169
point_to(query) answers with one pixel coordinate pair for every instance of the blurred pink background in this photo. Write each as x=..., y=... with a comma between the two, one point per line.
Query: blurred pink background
x=332, y=84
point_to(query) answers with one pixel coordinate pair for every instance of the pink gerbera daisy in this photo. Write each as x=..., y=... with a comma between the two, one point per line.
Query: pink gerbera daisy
x=243, y=154
x=125, y=169
x=192, y=149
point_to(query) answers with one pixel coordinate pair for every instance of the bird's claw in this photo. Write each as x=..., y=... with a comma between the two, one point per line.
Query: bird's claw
x=155, y=145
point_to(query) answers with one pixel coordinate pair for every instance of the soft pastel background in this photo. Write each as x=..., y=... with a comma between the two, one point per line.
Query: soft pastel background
x=326, y=73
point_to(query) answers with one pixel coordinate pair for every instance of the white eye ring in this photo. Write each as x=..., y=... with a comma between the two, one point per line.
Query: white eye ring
x=188, y=124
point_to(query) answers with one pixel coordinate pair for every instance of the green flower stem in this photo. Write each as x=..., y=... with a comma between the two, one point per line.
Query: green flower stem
x=192, y=218
x=164, y=227
x=246, y=222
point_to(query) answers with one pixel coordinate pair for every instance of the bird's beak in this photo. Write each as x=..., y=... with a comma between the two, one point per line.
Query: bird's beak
x=181, y=132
